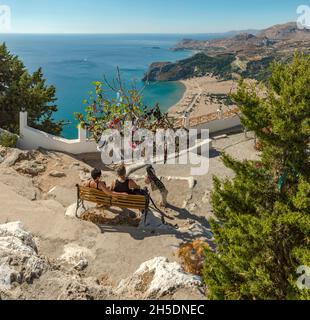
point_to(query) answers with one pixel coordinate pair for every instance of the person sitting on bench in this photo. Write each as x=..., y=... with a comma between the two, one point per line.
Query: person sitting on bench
x=123, y=184
x=95, y=183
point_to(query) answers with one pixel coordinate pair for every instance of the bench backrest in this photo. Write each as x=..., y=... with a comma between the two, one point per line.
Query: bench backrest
x=130, y=202
x=94, y=195
x=122, y=201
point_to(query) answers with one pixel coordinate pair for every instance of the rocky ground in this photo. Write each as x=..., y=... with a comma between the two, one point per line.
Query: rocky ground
x=46, y=253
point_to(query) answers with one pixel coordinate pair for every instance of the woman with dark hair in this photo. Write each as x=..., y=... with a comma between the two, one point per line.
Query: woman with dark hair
x=96, y=183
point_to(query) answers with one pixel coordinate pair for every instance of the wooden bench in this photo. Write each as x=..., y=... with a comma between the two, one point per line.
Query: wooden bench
x=121, y=201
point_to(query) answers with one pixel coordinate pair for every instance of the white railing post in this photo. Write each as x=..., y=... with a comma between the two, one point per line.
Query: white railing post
x=82, y=134
x=220, y=113
x=185, y=121
x=23, y=121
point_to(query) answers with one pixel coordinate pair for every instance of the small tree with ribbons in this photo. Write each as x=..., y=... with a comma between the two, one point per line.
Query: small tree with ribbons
x=112, y=104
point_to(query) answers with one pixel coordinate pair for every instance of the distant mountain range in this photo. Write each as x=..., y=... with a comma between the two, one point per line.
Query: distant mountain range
x=234, y=32
x=274, y=37
x=226, y=34
x=246, y=54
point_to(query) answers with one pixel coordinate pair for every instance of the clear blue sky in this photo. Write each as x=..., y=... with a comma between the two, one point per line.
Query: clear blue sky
x=148, y=16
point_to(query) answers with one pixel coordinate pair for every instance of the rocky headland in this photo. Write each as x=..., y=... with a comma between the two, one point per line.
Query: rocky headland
x=244, y=54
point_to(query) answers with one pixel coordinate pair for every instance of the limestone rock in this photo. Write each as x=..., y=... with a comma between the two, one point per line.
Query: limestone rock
x=15, y=156
x=84, y=289
x=51, y=204
x=76, y=256
x=57, y=174
x=75, y=290
x=197, y=230
x=71, y=210
x=85, y=169
x=74, y=165
x=32, y=168
x=15, y=229
x=192, y=207
x=64, y=196
x=206, y=197
x=189, y=197
x=3, y=151
x=81, y=265
x=157, y=278
x=191, y=182
x=84, y=176
x=19, y=260
x=57, y=284
x=19, y=183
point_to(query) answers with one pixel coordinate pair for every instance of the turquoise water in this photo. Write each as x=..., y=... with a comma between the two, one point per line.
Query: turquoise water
x=72, y=62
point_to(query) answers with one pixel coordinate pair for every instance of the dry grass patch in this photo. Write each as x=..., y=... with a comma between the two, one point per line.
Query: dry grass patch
x=192, y=256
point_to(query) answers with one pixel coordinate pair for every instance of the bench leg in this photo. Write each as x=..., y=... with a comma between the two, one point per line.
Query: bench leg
x=83, y=205
x=145, y=214
x=78, y=201
x=78, y=205
x=146, y=210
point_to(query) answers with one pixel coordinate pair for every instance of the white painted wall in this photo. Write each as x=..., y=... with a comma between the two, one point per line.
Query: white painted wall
x=31, y=138
x=219, y=125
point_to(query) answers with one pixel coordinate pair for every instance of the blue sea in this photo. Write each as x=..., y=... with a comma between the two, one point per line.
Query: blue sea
x=72, y=62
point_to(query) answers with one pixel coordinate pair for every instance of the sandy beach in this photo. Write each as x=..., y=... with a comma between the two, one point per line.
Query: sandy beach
x=203, y=95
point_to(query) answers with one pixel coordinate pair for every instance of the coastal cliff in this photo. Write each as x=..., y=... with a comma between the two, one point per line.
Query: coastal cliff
x=279, y=37
x=195, y=66
x=244, y=54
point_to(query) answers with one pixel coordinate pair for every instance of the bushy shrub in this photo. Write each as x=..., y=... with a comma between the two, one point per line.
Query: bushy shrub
x=262, y=226
x=8, y=140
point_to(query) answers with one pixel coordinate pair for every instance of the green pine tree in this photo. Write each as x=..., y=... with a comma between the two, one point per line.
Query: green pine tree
x=21, y=90
x=262, y=230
